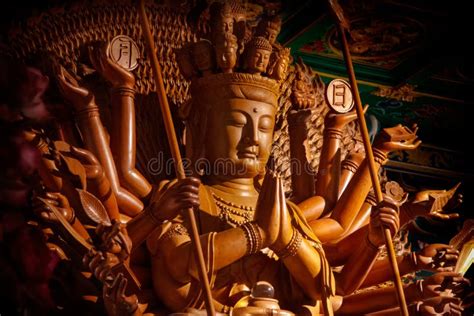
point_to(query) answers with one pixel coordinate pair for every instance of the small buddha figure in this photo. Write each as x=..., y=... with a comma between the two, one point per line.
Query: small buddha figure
x=279, y=64
x=303, y=91
x=226, y=52
x=223, y=19
x=269, y=27
x=257, y=56
x=241, y=29
x=202, y=54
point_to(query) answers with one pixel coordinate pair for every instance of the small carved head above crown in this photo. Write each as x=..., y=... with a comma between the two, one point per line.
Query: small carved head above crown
x=257, y=55
x=269, y=27
x=202, y=54
x=226, y=52
x=222, y=19
x=279, y=64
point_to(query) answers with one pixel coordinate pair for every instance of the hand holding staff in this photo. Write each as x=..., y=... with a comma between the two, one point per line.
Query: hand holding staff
x=343, y=27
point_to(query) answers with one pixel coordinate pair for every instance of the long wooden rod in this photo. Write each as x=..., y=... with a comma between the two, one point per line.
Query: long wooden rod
x=373, y=172
x=173, y=143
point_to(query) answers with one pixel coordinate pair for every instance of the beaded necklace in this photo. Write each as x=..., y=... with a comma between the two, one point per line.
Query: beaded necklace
x=229, y=210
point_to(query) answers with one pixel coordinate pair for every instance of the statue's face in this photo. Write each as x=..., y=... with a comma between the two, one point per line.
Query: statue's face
x=227, y=57
x=258, y=60
x=226, y=24
x=239, y=137
x=271, y=35
x=282, y=66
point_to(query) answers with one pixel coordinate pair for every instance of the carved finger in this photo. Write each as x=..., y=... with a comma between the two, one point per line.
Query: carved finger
x=95, y=262
x=188, y=195
x=93, y=58
x=64, y=85
x=99, y=230
x=285, y=216
x=125, y=242
x=189, y=188
x=111, y=233
x=388, y=211
x=69, y=78
x=121, y=288
x=390, y=222
x=410, y=146
x=50, y=197
x=451, y=250
x=99, y=269
x=109, y=275
x=189, y=202
x=88, y=257
x=445, y=269
x=451, y=257
x=265, y=190
x=112, y=289
x=437, y=215
x=102, y=271
x=84, y=156
x=190, y=181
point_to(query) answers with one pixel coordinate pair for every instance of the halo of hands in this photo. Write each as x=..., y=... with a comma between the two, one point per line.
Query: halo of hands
x=273, y=222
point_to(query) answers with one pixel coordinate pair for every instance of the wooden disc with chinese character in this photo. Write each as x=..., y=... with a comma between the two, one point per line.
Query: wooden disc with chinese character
x=124, y=51
x=339, y=96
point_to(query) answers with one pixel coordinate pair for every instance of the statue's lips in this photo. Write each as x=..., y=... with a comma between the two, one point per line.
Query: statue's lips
x=247, y=154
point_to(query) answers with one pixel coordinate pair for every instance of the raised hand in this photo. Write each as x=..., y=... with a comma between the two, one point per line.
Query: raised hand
x=397, y=138
x=269, y=208
x=110, y=70
x=79, y=96
x=339, y=120
x=443, y=284
x=116, y=302
x=168, y=202
x=57, y=200
x=434, y=203
x=286, y=227
x=437, y=258
x=114, y=239
x=100, y=264
x=440, y=306
x=89, y=161
x=385, y=215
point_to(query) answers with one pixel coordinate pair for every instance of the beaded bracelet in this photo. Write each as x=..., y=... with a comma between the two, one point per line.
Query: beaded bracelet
x=254, y=239
x=293, y=246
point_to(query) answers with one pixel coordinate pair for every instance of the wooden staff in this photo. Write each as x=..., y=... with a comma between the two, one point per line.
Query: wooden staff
x=343, y=25
x=173, y=143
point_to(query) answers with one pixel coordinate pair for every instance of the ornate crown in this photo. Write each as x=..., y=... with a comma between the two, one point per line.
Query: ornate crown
x=218, y=70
